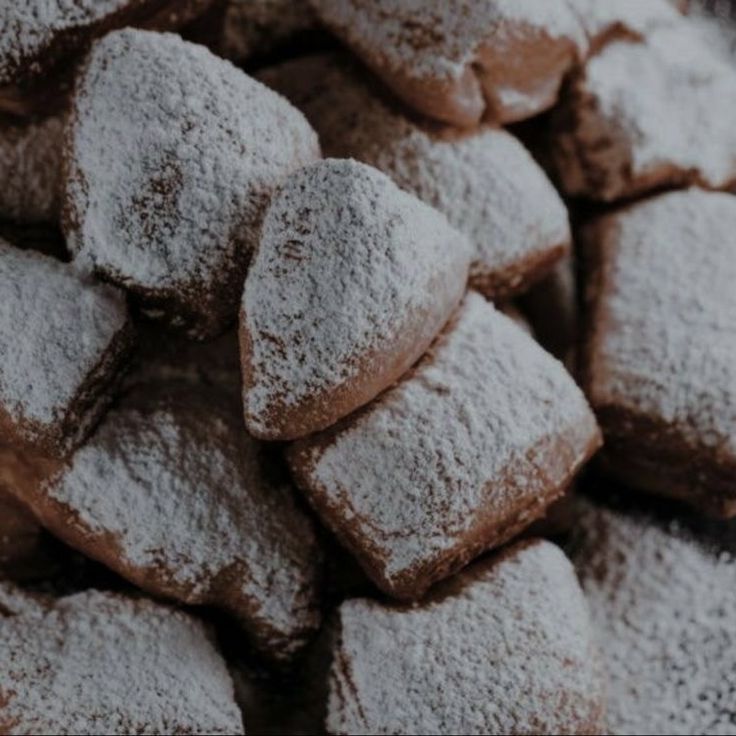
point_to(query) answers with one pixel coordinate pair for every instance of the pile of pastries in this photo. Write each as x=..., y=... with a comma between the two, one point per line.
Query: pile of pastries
x=367, y=366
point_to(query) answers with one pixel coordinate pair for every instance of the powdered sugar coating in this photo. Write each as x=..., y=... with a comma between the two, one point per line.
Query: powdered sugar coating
x=665, y=316
x=99, y=663
x=37, y=32
x=663, y=609
x=439, y=47
x=439, y=39
x=59, y=338
x=29, y=28
x=352, y=278
x=487, y=184
x=190, y=510
x=601, y=18
x=673, y=126
x=506, y=648
x=717, y=25
x=478, y=440
x=173, y=154
x=30, y=169
x=14, y=601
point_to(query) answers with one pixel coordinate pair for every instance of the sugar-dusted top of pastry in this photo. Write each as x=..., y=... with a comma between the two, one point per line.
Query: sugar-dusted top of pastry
x=29, y=27
x=173, y=154
x=30, y=168
x=459, y=61
x=455, y=440
x=601, y=18
x=173, y=481
x=486, y=183
x=101, y=663
x=55, y=330
x=718, y=28
x=440, y=38
x=37, y=32
x=673, y=125
x=663, y=608
x=350, y=271
x=665, y=325
x=506, y=647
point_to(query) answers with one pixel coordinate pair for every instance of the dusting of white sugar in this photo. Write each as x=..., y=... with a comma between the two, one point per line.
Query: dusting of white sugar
x=505, y=648
x=30, y=26
x=460, y=442
x=15, y=601
x=99, y=663
x=173, y=154
x=55, y=331
x=350, y=272
x=668, y=345
x=487, y=183
x=673, y=125
x=663, y=609
x=174, y=490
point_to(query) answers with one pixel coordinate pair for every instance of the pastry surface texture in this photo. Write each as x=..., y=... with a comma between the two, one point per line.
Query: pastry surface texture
x=53, y=385
x=172, y=156
x=506, y=647
x=352, y=281
x=172, y=494
x=368, y=367
x=514, y=430
x=486, y=182
x=97, y=662
x=661, y=342
x=662, y=605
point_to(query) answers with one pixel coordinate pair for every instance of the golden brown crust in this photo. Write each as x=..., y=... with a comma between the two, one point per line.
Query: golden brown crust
x=547, y=60
x=420, y=55
x=458, y=102
x=517, y=279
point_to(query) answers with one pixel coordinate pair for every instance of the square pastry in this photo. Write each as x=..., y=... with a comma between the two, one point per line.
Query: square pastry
x=660, y=354
x=458, y=457
x=614, y=139
x=504, y=647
